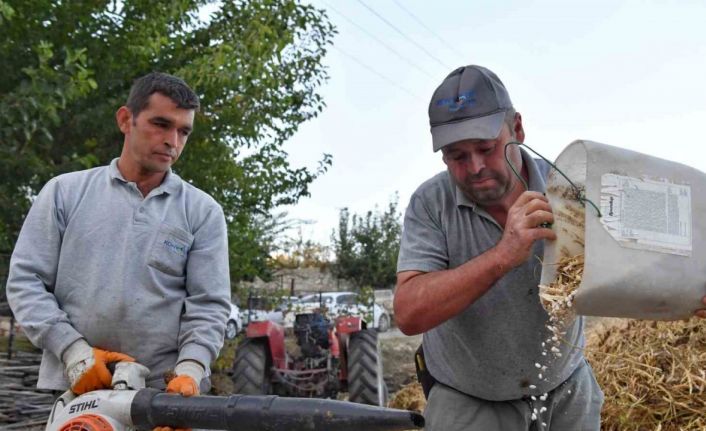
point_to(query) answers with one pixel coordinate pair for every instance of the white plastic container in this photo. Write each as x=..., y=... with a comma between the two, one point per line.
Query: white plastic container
x=645, y=256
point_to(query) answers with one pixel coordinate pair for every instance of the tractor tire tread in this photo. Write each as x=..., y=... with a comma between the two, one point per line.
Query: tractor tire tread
x=250, y=368
x=365, y=369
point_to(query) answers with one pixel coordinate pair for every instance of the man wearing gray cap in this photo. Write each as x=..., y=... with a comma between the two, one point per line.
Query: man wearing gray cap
x=468, y=277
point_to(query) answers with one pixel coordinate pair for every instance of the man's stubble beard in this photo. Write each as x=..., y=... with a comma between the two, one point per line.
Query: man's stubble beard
x=486, y=197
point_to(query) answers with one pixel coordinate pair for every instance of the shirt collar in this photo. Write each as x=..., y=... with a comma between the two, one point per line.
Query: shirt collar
x=536, y=182
x=169, y=185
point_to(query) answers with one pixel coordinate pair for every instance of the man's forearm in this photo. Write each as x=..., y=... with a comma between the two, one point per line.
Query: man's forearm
x=208, y=292
x=426, y=300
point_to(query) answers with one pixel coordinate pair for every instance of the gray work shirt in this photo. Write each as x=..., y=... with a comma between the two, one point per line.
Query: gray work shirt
x=490, y=349
x=146, y=276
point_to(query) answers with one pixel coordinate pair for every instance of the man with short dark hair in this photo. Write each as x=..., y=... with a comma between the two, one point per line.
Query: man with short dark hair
x=468, y=281
x=126, y=261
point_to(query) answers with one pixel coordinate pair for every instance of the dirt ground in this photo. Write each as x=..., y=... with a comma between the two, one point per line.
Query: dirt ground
x=398, y=358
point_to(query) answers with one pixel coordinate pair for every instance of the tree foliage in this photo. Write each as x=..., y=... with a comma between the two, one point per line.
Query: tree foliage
x=256, y=64
x=366, y=247
x=293, y=251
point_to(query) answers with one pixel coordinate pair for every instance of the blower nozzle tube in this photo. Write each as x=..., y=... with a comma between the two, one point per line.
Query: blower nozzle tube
x=151, y=408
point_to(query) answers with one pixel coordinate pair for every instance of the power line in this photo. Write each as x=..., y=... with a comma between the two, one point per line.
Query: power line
x=381, y=42
x=380, y=75
x=420, y=22
x=374, y=12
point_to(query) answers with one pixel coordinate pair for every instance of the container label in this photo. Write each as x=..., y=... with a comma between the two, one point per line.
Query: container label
x=647, y=214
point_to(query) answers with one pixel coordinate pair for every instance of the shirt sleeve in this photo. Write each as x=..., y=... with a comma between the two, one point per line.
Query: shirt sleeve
x=32, y=274
x=423, y=246
x=207, y=302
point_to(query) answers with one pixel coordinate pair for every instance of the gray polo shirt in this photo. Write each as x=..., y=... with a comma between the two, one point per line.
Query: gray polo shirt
x=490, y=349
x=146, y=276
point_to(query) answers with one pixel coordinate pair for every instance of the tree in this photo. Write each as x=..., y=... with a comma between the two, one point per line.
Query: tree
x=256, y=64
x=293, y=251
x=366, y=247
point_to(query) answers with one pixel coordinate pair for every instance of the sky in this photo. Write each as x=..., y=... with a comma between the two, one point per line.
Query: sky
x=631, y=74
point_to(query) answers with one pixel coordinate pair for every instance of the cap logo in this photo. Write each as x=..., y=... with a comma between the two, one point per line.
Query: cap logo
x=456, y=104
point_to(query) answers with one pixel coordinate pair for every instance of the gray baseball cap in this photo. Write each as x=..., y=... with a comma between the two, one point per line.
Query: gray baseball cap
x=470, y=104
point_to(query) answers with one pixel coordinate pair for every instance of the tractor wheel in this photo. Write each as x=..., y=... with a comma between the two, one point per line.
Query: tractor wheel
x=365, y=382
x=251, y=368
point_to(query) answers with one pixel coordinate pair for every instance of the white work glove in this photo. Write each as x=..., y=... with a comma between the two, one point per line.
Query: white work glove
x=188, y=376
x=87, y=367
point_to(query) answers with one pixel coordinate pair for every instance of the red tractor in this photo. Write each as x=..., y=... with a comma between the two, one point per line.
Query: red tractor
x=329, y=357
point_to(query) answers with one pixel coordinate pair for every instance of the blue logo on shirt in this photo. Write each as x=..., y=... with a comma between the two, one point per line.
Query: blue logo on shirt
x=175, y=247
x=456, y=104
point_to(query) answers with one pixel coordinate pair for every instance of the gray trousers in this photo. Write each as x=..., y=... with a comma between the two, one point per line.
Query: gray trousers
x=575, y=405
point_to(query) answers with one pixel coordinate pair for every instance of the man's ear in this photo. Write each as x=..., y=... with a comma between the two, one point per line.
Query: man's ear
x=123, y=116
x=519, y=130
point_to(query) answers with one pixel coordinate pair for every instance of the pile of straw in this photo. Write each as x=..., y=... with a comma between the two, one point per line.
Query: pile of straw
x=410, y=397
x=653, y=375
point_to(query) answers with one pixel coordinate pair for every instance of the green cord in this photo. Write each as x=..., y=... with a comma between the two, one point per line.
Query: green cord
x=579, y=194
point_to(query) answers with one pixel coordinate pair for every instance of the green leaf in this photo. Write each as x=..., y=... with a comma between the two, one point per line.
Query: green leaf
x=367, y=246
